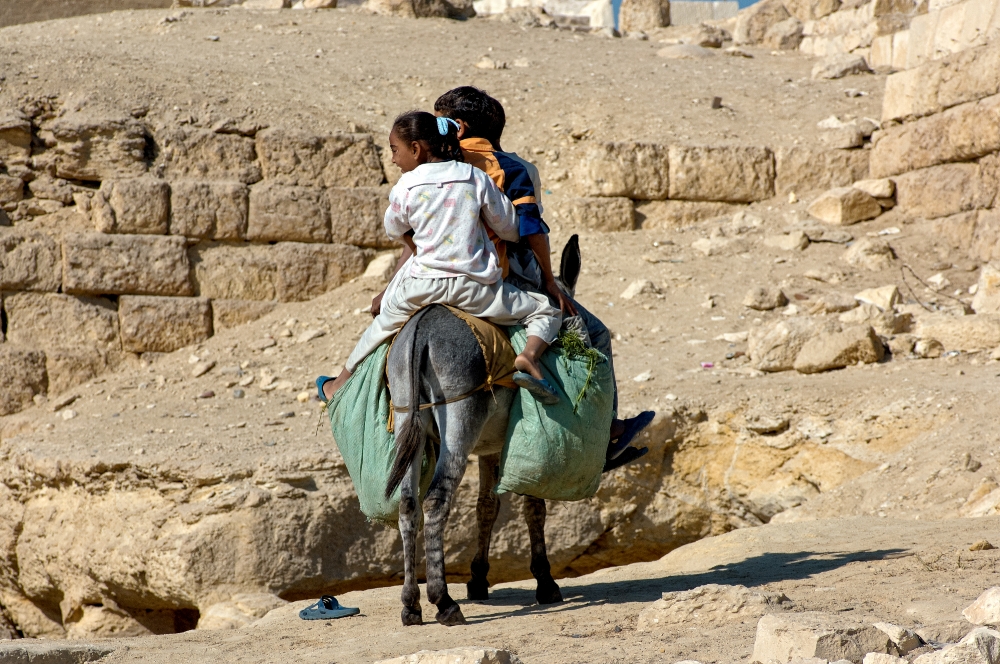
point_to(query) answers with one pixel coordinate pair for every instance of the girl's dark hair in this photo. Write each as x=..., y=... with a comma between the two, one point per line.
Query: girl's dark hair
x=422, y=126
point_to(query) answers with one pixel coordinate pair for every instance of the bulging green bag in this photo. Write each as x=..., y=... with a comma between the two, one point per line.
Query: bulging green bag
x=557, y=452
x=359, y=418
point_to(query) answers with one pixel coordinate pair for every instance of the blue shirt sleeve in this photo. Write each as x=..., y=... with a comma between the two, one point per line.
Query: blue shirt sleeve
x=521, y=191
x=530, y=220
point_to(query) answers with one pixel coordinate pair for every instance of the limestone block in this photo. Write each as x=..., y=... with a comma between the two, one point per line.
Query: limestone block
x=320, y=4
x=969, y=75
x=456, y=656
x=984, y=243
x=905, y=639
x=845, y=206
x=883, y=297
x=208, y=210
x=844, y=137
x=11, y=191
x=305, y=271
x=900, y=49
x=125, y=264
x=784, y=637
x=801, y=169
x=940, y=191
x=382, y=267
x=922, y=30
x=887, y=7
x=836, y=350
x=709, y=604
x=987, y=298
x=187, y=153
x=633, y=170
x=163, y=324
x=784, y=36
x=753, y=22
x=839, y=66
x=29, y=261
x=884, y=322
x=297, y=158
x=651, y=215
x=870, y=253
x=643, y=15
x=356, y=215
x=53, y=189
x=279, y=212
x=44, y=652
x=957, y=230
x=793, y=241
x=810, y=10
x=899, y=98
x=962, y=133
x=948, y=31
x=986, y=609
x=69, y=367
x=882, y=658
x=54, y=320
x=765, y=299
x=136, y=206
x=976, y=27
x=231, y=313
x=93, y=148
x=22, y=373
x=234, y=272
x=15, y=137
x=729, y=174
x=774, y=347
x=239, y=611
x=883, y=188
x=597, y=214
x=980, y=646
x=881, y=53
x=965, y=333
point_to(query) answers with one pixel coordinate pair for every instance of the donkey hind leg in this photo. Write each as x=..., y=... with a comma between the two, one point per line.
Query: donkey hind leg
x=547, y=591
x=487, y=510
x=409, y=523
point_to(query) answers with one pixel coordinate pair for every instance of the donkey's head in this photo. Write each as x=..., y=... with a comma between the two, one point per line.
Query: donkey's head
x=569, y=266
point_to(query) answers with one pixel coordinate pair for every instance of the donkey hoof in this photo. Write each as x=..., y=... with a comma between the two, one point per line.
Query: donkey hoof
x=451, y=616
x=548, y=594
x=478, y=590
x=412, y=617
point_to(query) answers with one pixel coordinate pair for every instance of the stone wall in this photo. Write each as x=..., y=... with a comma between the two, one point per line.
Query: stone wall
x=118, y=238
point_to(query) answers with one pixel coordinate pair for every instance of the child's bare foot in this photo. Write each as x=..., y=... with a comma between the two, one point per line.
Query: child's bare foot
x=528, y=365
x=529, y=372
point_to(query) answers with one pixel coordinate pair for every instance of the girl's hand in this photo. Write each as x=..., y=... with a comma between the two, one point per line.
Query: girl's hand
x=377, y=304
x=565, y=304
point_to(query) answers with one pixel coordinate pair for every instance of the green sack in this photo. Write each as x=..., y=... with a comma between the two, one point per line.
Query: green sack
x=359, y=417
x=557, y=452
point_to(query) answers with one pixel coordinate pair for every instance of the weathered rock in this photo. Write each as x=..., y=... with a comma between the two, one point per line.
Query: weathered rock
x=844, y=137
x=845, y=206
x=208, y=210
x=802, y=169
x=966, y=333
x=11, y=191
x=838, y=349
x=49, y=652
x=381, y=267
x=89, y=148
x=51, y=320
x=717, y=244
x=905, y=639
x=730, y=174
x=91, y=621
x=793, y=241
x=68, y=367
x=456, y=656
x=753, y=22
x=942, y=190
x=986, y=609
x=267, y=4
x=651, y=215
x=189, y=153
x=308, y=270
x=980, y=646
x=709, y=604
x=781, y=638
x=239, y=611
x=163, y=324
x=29, y=261
x=15, y=137
x=633, y=170
x=234, y=272
x=883, y=297
x=598, y=214
x=639, y=287
x=22, y=373
x=951, y=631
x=320, y=4
x=642, y=15
x=882, y=658
x=810, y=10
x=884, y=188
x=884, y=322
x=987, y=298
x=928, y=348
x=125, y=264
x=52, y=189
x=230, y=313
x=774, y=347
x=356, y=215
x=297, y=158
x=833, y=303
x=838, y=66
x=422, y=8
x=871, y=254
x=135, y=206
x=286, y=213
x=784, y=35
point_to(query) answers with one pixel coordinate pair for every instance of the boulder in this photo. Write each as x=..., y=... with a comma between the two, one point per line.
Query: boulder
x=810, y=10
x=928, y=348
x=125, y=264
x=651, y=215
x=940, y=191
x=905, y=639
x=883, y=188
x=639, y=287
x=802, y=169
x=833, y=303
x=471, y=655
x=52, y=189
x=775, y=346
x=885, y=322
x=15, y=137
x=784, y=637
x=54, y=320
x=239, y=611
x=870, y=253
x=231, y=313
x=597, y=214
x=189, y=153
x=753, y=22
x=729, y=174
x=784, y=35
x=844, y=137
x=381, y=267
x=643, y=15
x=52, y=652
x=980, y=646
x=22, y=373
x=793, y=241
x=986, y=609
x=709, y=604
x=98, y=621
x=300, y=159
x=288, y=213
x=29, y=261
x=883, y=297
x=845, y=206
x=839, y=66
x=422, y=8
x=11, y=191
x=632, y=170
x=134, y=206
x=209, y=210
x=965, y=333
x=987, y=298
x=95, y=148
x=951, y=631
x=856, y=344
x=163, y=324
x=356, y=215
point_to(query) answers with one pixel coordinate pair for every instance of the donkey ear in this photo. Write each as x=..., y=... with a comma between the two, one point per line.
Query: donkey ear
x=569, y=266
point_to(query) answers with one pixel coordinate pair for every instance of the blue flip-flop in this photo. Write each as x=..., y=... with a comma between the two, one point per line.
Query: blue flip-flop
x=542, y=390
x=327, y=608
x=633, y=427
x=320, y=382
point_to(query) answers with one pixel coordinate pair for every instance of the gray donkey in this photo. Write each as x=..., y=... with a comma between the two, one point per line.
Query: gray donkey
x=434, y=359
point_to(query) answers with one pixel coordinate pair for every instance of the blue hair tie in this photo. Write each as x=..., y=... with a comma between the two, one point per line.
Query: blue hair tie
x=443, y=125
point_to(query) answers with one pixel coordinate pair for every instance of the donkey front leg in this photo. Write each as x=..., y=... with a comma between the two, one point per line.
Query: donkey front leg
x=547, y=591
x=487, y=510
x=409, y=521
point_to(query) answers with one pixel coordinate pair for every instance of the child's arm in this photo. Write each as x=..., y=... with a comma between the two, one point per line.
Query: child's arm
x=497, y=210
x=539, y=243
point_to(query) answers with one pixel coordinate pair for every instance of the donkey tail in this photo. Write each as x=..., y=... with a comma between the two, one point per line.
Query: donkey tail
x=411, y=436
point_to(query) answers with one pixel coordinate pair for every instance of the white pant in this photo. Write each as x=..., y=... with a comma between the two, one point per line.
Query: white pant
x=499, y=303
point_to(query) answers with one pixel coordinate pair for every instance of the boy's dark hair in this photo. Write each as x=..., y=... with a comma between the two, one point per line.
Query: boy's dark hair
x=422, y=126
x=481, y=112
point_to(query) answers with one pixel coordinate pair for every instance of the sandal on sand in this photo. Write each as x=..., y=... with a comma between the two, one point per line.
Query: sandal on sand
x=320, y=383
x=633, y=427
x=542, y=390
x=629, y=455
x=327, y=608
